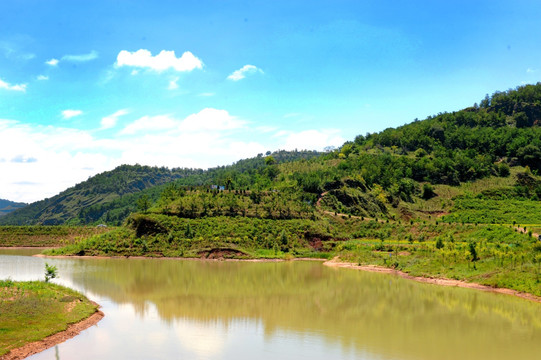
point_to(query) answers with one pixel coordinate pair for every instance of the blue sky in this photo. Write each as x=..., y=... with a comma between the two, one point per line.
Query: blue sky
x=87, y=86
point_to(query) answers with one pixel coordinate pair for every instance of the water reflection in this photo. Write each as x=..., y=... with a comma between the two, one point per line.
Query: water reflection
x=221, y=310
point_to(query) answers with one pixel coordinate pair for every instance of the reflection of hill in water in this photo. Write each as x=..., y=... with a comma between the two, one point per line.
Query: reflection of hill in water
x=354, y=308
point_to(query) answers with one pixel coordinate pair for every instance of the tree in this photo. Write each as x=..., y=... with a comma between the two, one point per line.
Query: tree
x=189, y=232
x=50, y=272
x=346, y=150
x=269, y=160
x=143, y=203
x=530, y=155
x=428, y=191
x=504, y=170
x=473, y=251
x=522, y=120
x=228, y=183
x=284, y=241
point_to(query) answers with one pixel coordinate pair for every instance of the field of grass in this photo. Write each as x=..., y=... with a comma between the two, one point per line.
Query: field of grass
x=447, y=195
x=31, y=311
x=489, y=211
x=500, y=257
x=45, y=236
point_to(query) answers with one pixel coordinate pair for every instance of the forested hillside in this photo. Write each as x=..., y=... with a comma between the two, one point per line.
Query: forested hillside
x=455, y=195
x=111, y=196
x=391, y=174
x=102, y=188
x=7, y=206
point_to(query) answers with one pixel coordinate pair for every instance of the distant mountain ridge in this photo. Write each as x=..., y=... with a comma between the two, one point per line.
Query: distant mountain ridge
x=107, y=186
x=7, y=206
x=111, y=196
x=363, y=177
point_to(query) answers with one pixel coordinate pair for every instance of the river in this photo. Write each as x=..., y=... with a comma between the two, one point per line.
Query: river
x=189, y=309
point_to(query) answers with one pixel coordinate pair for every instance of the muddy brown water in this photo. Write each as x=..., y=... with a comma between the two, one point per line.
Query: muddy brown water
x=185, y=309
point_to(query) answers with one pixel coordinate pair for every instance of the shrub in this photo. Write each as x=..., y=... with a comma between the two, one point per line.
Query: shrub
x=50, y=272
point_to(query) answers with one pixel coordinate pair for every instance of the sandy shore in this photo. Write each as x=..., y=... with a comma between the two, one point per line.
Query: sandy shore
x=436, y=281
x=55, y=339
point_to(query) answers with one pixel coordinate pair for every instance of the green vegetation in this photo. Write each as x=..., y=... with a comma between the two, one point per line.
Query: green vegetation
x=159, y=235
x=111, y=196
x=488, y=211
x=103, y=188
x=491, y=255
x=443, y=197
x=51, y=272
x=7, y=206
x=45, y=236
x=34, y=310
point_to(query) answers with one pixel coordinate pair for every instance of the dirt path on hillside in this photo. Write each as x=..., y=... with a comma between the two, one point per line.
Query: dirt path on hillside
x=525, y=231
x=436, y=281
x=50, y=341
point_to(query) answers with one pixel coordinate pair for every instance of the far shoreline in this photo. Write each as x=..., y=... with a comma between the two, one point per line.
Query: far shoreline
x=431, y=280
x=336, y=264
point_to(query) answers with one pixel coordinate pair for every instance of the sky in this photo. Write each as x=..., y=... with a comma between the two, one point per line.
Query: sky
x=86, y=86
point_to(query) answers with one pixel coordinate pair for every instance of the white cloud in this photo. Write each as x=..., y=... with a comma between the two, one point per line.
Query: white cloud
x=42, y=77
x=52, y=62
x=173, y=84
x=163, y=61
x=242, y=72
x=68, y=114
x=39, y=161
x=110, y=121
x=310, y=139
x=266, y=129
x=211, y=120
x=81, y=57
x=530, y=70
x=7, y=86
x=15, y=50
x=207, y=120
x=44, y=160
x=150, y=124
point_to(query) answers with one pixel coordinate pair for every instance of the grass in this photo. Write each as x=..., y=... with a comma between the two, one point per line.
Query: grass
x=489, y=211
x=31, y=311
x=45, y=236
x=507, y=259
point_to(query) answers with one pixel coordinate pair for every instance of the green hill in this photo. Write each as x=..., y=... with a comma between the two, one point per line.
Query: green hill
x=7, y=206
x=455, y=195
x=99, y=189
x=110, y=197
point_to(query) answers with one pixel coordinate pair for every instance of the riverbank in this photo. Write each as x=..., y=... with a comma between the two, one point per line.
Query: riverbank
x=181, y=258
x=335, y=262
x=428, y=280
x=38, y=315
x=50, y=341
